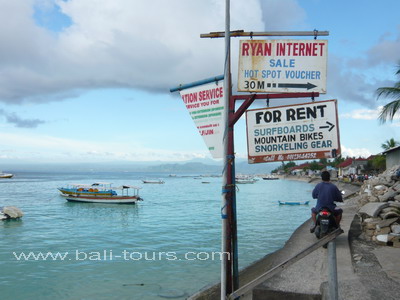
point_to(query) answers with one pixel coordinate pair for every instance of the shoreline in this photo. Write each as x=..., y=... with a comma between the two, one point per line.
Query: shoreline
x=296, y=241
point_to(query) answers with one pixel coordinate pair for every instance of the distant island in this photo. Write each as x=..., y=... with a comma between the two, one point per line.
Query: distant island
x=207, y=167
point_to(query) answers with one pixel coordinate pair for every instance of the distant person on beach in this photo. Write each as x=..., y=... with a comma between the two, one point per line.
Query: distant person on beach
x=326, y=194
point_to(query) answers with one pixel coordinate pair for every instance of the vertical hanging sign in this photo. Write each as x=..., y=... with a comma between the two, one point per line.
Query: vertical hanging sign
x=206, y=107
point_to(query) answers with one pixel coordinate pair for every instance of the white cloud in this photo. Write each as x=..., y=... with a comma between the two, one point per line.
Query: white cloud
x=119, y=43
x=367, y=114
x=355, y=152
x=363, y=114
x=283, y=15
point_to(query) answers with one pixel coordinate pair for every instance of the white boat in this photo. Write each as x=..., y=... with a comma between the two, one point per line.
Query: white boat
x=6, y=175
x=159, y=181
x=124, y=198
x=245, y=179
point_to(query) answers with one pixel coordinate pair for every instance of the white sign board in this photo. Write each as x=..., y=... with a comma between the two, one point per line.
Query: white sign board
x=282, y=66
x=205, y=104
x=293, y=132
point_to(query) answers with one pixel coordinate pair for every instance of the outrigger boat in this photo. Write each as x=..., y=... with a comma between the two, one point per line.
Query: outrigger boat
x=293, y=202
x=124, y=198
x=95, y=189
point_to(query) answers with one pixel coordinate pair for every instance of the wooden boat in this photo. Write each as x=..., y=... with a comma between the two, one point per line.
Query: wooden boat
x=293, y=202
x=95, y=189
x=159, y=181
x=124, y=198
x=6, y=175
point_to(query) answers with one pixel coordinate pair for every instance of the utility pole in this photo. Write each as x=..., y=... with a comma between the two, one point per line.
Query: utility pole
x=228, y=188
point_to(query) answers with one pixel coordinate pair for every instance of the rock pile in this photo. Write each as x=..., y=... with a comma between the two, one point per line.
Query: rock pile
x=10, y=212
x=379, y=203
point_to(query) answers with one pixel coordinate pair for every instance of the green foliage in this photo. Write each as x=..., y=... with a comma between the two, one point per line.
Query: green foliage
x=378, y=163
x=289, y=165
x=323, y=161
x=285, y=167
x=315, y=166
x=337, y=161
x=390, y=144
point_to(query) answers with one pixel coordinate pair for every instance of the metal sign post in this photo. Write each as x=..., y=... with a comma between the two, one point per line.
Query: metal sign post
x=228, y=188
x=332, y=271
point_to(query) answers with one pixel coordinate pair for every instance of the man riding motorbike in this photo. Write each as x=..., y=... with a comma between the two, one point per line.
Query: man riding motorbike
x=326, y=194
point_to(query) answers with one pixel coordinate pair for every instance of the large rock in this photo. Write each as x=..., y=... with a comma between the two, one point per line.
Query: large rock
x=13, y=212
x=394, y=204
x=390, y=214
x=387, y=222
x=373, y=199
x=395, y=228
x=382, y=238
x=373, y=209
x=389, y=195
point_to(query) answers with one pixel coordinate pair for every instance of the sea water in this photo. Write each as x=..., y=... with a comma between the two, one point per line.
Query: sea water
x=166, y=246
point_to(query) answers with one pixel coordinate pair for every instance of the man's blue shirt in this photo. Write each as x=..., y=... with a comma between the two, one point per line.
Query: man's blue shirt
x=326, y=193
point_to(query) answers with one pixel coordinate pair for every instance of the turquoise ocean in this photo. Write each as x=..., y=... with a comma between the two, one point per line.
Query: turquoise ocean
x=164, y=247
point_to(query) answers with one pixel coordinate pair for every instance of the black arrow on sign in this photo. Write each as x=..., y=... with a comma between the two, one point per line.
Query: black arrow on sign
x=329, y=125
x=307, y=85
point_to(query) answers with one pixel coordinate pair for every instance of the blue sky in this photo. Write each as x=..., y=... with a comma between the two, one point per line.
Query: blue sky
x=88, y=80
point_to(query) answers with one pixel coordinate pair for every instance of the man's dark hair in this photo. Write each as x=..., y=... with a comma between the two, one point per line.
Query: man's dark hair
x=325, y=176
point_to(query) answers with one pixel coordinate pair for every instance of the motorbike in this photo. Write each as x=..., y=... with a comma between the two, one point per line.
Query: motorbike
x=326, y=223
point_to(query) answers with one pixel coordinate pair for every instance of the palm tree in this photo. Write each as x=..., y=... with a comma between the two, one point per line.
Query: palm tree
x=390, y=144
x=389, y=110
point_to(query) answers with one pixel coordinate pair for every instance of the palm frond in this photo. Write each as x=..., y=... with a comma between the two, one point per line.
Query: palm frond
x=384, y=147
x=389, y=111
x=398, y=71
x=389, y=92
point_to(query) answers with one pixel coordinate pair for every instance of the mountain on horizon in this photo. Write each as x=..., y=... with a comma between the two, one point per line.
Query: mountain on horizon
x=193, y=166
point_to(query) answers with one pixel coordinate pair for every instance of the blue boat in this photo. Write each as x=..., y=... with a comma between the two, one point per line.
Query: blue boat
x=293, y=202
x=95, y=189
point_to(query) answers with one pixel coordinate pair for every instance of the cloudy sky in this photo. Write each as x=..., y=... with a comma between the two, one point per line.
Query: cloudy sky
x=89, y=80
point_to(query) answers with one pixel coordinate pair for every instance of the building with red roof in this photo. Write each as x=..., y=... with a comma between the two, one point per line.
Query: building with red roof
x=353, y=166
